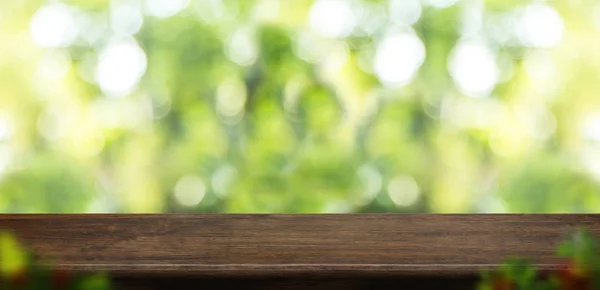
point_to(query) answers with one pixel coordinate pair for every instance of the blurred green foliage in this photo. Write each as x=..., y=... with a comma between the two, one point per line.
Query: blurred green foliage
x=20, y=268
x=297, y=107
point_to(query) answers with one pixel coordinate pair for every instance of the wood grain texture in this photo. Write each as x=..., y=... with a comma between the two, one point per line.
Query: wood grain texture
x=284, y=245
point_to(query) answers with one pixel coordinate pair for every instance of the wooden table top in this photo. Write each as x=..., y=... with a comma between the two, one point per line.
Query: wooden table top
x=254, y=245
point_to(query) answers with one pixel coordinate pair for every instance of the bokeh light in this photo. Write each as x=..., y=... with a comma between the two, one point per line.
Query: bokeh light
x=189, y=190
x=372, y=182
x=53, y=25
x=398, y=57
x=120, y=66
x=540, y=26
x=6, y=127
x=242, y=48
x=472, y=64
x=332, y=18
x=440, y=3
x=164, y=8
x=403, y=190
x=300, y=106
x=126, y=17
x=405, y=12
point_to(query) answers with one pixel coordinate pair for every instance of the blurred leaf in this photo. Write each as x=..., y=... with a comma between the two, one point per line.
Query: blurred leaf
x=13, y=258
x=95, y=282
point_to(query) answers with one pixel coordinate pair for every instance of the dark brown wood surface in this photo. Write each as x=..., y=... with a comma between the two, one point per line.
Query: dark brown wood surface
x=279, y=283
x=255, y=245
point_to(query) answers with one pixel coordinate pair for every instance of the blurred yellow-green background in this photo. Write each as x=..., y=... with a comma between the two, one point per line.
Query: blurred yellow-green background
x=298, y=106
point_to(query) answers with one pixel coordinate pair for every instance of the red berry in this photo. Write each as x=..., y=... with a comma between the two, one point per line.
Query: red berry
x=564, y=271
x=18, y=279
x=60, y=278
x=575, y=283
x=571, y=269
x=572, y=277
x=503, y=284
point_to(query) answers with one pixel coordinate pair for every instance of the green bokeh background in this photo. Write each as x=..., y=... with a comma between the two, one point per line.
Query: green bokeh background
x=292, y=128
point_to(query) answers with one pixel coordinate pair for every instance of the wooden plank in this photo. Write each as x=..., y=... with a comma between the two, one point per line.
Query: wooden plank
x=380, y=244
